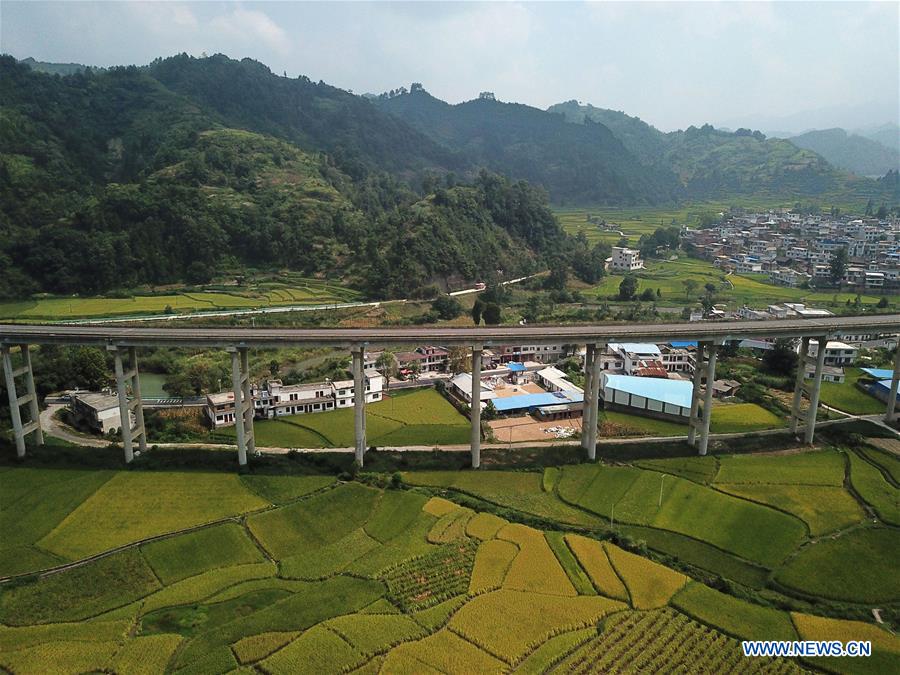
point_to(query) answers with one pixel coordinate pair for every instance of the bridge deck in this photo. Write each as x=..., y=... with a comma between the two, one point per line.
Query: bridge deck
x=140, y=336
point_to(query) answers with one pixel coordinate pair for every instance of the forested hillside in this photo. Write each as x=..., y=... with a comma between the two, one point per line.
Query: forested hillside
x=111, y=180
x=578, y=163
x=174, y=172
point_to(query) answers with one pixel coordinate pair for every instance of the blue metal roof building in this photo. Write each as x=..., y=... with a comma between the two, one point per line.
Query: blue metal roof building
x=880, y=374
x=531, y=402
x=654, y=395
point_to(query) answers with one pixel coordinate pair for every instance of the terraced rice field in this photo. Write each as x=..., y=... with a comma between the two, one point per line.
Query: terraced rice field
x=306, y=574
x=299, y=292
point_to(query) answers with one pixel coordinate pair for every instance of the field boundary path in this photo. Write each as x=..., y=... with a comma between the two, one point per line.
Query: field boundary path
x=55, y=428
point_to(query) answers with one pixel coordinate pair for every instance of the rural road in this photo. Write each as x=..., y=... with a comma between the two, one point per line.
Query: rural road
x=54, y=428
x=280, y=309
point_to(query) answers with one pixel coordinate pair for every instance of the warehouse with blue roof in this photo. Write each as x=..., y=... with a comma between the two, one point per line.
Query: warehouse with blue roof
x=881, y=387
x=654, y=396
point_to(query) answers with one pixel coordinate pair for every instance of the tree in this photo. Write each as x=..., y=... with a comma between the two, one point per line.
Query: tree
x=557, y=278
x=534, y=308
x=882, y=303
x=781, y=359
x=838, y=266
x=89, y=368
x=274, y=367
x=447, y=308
x=690, y=287
x=492, y=314
x=459, y=360
x=628, y=287
x=415, y=369
x=387, y=365
x=490, y=411
x=648, y=295
x=477, y=310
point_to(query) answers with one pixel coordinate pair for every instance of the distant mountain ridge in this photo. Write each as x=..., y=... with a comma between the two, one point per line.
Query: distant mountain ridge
x=712, y=163
x=862, y=156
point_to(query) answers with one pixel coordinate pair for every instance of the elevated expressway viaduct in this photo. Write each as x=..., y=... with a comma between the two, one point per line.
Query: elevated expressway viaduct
x=124, y=343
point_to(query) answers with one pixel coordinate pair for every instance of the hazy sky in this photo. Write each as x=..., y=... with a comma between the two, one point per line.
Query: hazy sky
x=673, y=64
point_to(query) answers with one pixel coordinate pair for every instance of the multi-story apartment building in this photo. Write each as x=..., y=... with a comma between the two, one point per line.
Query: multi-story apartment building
x=274, y=399
x=836, y=353
x=539, y=353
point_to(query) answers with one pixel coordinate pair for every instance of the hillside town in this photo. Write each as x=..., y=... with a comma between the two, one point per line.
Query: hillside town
x=796, y=250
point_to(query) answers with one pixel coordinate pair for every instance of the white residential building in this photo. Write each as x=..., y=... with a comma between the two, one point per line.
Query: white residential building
x=625, y=259
x=836, y=353
x=274, y=399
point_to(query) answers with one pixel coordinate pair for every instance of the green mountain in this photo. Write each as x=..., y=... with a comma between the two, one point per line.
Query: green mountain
x=111, y=180
x=646, y=142
x=582, y=163
x=862, y=156
x=711, y=163
x=888, y=135
x=57, y=68
x=315, y=116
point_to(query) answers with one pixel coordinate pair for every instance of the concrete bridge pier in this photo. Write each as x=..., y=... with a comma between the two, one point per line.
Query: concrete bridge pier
x=798, y=384
x=593, y=402
x=359, y=402
x=16, y=402
x=124, y=379
x=694, y=420
x=585, y=415
x=891, y=415
x=822, y=343
x=243, y=402
x=713, y=349
x=475, y=414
